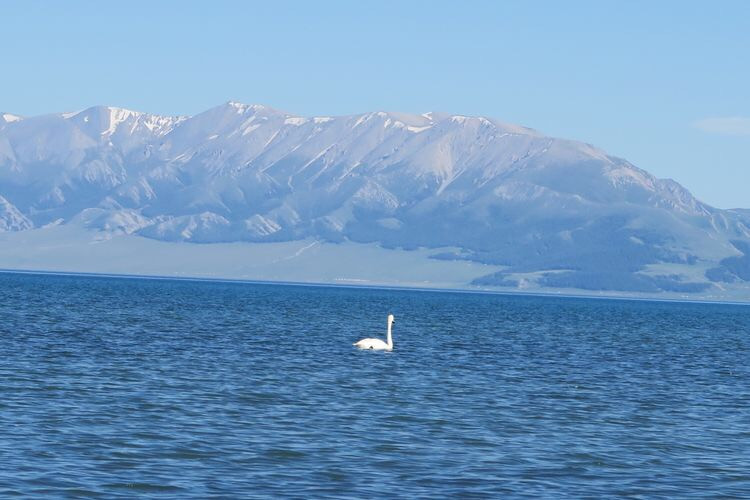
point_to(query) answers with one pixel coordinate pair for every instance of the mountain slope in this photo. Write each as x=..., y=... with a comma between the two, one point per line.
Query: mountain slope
x=554, y=212
x=11, y=219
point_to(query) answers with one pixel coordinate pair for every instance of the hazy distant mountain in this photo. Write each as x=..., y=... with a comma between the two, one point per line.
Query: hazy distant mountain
x=556, y=212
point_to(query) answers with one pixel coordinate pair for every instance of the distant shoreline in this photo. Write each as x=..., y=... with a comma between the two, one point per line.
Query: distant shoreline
x=518, y=293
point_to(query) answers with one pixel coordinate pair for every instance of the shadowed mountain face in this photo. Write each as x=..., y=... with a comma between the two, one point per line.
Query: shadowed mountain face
x=557, y=213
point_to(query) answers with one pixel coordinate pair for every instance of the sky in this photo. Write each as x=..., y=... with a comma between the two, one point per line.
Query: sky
x=665, y=84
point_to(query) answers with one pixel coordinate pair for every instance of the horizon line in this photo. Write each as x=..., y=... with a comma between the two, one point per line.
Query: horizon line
x=405, y=288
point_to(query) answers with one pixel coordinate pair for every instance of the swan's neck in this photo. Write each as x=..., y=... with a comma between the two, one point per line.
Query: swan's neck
x=390, y=337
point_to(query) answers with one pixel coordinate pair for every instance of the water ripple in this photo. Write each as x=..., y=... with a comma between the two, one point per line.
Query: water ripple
x=174, y=389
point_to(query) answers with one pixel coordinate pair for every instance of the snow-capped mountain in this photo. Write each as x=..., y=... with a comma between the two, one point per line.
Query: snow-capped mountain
x=555, y=212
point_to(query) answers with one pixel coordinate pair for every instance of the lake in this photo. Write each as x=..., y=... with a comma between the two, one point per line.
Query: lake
x=172, y=389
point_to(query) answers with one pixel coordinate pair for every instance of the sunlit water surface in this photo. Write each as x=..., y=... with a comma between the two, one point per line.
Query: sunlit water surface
x=120, y=387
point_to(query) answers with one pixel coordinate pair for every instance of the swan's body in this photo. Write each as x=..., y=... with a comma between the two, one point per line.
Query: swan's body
x=377, y=344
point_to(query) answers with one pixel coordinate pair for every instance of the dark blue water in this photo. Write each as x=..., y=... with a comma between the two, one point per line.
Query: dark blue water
x=123, y=387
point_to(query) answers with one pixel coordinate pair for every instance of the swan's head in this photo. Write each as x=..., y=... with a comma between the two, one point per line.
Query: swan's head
x=391, y=319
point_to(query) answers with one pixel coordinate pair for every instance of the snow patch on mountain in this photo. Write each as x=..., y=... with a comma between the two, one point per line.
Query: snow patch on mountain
x=11, y=219
x=9, y=118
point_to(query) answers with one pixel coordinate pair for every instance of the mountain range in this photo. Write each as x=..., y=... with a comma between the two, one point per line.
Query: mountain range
x=551, y=213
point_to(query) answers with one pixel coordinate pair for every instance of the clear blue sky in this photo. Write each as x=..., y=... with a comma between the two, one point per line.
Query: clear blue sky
x=664, y=84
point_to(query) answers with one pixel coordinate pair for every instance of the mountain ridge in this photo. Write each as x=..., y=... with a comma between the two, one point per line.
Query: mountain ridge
x=555, y=212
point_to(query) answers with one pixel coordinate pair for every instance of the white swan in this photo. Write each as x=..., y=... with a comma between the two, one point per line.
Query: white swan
x=378, y=344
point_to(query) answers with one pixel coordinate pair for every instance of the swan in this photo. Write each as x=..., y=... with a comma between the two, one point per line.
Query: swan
x=378, y=344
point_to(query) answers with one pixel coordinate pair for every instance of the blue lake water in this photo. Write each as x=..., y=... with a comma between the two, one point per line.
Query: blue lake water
x=120, y=387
